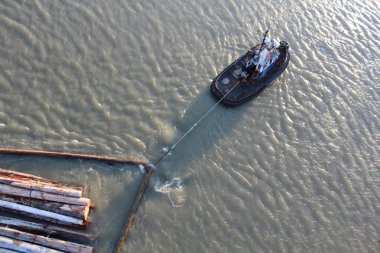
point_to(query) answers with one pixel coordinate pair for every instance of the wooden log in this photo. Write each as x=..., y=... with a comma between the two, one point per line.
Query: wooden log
x=41, y=214
x=2, y=250
x=133, y=211
x=45, y=241
x=15, y=191
x=12, y=173
x=79, y=212
x=65, y=155
x=47, y=229
x=20, y=246
x=50, y=187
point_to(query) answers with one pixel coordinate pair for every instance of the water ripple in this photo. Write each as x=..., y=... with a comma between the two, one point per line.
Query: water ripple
x=297, y=164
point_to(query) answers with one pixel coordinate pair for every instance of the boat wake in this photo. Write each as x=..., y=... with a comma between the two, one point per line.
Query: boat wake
x=175, y=191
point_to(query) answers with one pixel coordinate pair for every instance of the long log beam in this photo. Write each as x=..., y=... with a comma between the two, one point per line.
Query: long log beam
x=41, y=214
x=76, y=211
x=15, y=191
x=45, y=241
x=133, y=211
x=13, y=173
x=25, y=247
x=65, y=155
x=47, y=229
x=33, y=184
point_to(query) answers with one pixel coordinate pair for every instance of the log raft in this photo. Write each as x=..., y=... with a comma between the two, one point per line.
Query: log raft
x=45, y=200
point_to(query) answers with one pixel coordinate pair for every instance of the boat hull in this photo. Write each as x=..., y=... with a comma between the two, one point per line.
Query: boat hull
x=230, y=79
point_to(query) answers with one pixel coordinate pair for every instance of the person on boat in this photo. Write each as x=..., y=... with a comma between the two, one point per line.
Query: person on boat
x=247, y=69
x=258, y=59
x=269, y=52
x=275, y=43
x=249, y=65
x=244, y=76
x=268, y=46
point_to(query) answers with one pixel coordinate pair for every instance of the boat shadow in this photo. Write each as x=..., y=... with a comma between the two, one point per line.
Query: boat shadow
x=213, y=129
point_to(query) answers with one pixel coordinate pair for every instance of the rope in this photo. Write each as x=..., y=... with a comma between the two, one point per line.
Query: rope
x=143, y=185
x=194, y=126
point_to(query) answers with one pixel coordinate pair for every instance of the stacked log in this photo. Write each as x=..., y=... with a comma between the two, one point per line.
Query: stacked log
x=41, y=241
x=48, y=201
x=46, y=229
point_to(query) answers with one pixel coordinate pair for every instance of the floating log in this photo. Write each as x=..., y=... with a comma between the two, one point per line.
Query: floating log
x=41, y=214
x=106, y=159
x=133, y=211
x=45, y=241
x=33, y=184
x=79, y=212
x=12, y=173
x=46, y=229
x=15, y=191
x=20, y=246
x=2, y=250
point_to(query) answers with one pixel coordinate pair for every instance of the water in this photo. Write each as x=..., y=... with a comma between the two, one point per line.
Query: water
x=294, y=170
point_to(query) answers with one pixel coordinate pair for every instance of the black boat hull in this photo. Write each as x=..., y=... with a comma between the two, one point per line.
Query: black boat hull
x=227, y=79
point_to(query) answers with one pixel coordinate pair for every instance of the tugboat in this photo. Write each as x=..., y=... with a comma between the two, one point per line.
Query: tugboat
x=247, y=76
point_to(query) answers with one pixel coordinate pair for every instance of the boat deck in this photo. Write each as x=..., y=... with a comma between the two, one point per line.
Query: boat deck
x=229, y=77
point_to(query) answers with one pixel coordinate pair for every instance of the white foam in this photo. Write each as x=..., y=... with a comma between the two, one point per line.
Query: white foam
x=175, y=191
x=142, y=168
